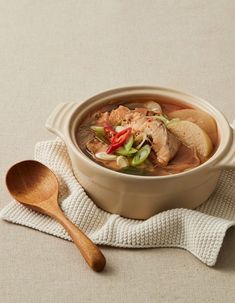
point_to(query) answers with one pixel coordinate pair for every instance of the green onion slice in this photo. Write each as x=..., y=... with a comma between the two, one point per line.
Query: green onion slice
x=98, y=129
x=141, y=155
x=129, y=143
x=99, y=133
x=122, y=151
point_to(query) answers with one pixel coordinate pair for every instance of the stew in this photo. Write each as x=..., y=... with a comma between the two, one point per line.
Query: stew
x=150, y=138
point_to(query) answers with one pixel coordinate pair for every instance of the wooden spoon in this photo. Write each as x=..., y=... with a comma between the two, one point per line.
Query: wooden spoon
x=35, y=186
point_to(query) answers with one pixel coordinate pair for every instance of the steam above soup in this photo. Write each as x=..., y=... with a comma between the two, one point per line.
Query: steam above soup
x=148, y=138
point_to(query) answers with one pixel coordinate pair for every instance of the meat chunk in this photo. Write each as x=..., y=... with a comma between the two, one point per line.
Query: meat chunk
x=135, y=119
x=164, y=144
x=118, y=115
x=103, y=118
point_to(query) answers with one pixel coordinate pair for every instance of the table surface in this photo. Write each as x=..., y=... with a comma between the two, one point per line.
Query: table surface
x=53, y=51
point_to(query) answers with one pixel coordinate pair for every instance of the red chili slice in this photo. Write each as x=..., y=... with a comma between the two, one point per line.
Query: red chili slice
x=119, y=139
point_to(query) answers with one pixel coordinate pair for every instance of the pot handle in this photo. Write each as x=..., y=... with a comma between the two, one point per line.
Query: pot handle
x=58, y=120
x=229, y=159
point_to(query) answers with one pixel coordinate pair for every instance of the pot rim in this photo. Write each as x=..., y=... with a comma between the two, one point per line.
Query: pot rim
x=224, y=131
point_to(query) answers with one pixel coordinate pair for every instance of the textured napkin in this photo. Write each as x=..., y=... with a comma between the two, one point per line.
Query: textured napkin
x=199, y=231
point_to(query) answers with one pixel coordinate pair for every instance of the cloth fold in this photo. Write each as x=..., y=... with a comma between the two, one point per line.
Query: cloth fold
x=199, y=231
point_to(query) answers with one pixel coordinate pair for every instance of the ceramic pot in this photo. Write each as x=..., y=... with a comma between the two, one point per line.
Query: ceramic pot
x=141, y=197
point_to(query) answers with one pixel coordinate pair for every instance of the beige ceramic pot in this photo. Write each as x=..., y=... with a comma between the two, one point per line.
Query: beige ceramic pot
x=140, y=197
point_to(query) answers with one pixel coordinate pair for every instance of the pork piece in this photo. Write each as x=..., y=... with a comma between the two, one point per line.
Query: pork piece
x=96, y=146
x=118, y=115
x=103, y=118
x=164, y=144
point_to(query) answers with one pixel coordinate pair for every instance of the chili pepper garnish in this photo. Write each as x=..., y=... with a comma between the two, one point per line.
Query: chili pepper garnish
x=119, y=139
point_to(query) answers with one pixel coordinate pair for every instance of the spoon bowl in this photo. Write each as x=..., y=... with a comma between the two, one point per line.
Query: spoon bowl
x=35, y=185
x=31, y=182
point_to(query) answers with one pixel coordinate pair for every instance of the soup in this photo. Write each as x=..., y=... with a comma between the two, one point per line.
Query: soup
x=147, y=137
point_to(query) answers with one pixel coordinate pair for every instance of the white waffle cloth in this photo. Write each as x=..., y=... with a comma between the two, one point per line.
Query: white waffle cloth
x=199, y=231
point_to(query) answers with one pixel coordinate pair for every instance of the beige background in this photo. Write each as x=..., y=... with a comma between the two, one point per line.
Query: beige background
x=64, y=50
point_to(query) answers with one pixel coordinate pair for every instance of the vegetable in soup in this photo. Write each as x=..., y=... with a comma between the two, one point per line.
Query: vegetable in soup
x=148, y=138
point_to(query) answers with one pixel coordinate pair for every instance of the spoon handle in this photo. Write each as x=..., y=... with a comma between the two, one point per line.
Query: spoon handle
x=91, y=253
